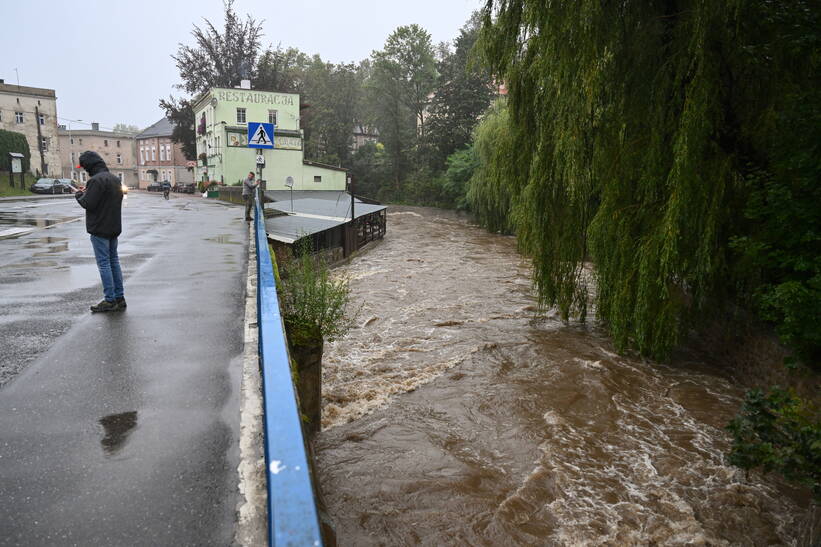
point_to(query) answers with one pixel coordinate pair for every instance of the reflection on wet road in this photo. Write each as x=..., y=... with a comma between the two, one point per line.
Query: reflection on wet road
x=452, y=418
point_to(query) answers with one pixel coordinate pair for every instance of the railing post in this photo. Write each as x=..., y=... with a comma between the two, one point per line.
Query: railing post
x=292, y=512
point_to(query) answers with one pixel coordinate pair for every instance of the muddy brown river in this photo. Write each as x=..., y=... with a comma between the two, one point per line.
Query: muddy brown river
x=452, y=417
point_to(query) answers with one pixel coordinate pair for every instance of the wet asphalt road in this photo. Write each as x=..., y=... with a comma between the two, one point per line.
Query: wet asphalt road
x=121, y=429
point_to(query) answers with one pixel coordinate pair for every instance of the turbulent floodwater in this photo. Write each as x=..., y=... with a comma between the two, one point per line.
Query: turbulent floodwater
x=451, y=417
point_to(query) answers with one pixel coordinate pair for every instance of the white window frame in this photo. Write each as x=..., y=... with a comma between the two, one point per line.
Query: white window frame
x=18, y=117
x=153, y=153
x=44, y=144
x=162, y=152
x=142, y=155
x=243, y=112
x=272, y=116
x=120, y=159
x=168, y=152
x=42, y=118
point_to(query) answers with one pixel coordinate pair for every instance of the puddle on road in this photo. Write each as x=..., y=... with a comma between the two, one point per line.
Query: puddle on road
x=222, y=238
x=12, y=219
x=117, y=428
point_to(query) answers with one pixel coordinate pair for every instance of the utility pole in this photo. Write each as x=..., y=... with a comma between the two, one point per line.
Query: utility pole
x=40, y=141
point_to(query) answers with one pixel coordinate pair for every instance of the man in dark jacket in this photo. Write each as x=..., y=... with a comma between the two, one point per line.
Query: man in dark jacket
x=102, y=200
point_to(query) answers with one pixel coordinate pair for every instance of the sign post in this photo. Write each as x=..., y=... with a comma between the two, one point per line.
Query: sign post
x=16, y=161
x=289, y=182
x=260, y=135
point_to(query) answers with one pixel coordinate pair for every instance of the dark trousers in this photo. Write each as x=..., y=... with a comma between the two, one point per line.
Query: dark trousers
x=249, y=204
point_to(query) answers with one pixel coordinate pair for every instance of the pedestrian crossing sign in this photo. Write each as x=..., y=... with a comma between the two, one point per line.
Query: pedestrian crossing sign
x=260, y=135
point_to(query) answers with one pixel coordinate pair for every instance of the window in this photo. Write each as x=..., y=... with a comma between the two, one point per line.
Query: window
x=153, y=153
x=118, y=144
x=317, y=178
x=105, y=142
x=81, y=141
x=42, y=119
x=168, y=152
x=43, y=143
x=240, y=115
x=72, y=160
x=45, y=169
x=120, y=159
x=162, y=152
x=120, y=174
x=71, y=140
x=1, y=115
x=272, y=117
x=18, y=117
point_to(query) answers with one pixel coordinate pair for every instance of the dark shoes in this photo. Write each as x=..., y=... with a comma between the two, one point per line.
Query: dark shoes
x=105, y=305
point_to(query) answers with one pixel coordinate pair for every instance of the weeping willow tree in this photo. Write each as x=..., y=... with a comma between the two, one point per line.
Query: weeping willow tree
x=636, y=126
x=490, y=191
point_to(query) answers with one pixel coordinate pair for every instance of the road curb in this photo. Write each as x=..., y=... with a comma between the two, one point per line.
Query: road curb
x=40, y=197
x=252, y=510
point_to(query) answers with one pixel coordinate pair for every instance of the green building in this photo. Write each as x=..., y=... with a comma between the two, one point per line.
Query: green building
x=221, y=118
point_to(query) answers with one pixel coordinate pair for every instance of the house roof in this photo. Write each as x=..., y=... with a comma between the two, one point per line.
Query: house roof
x=163, y=128
x=312, y=215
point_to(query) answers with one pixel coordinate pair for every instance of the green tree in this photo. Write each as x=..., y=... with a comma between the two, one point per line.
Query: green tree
x=639, y=125
x=403, y=75
x=218, y=59
x=465, y=91
x=334, y=95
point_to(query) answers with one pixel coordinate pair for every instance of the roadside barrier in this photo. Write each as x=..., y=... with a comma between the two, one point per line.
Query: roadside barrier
x=292, y=512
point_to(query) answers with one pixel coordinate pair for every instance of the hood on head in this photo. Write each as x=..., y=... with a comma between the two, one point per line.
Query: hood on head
x=92, y=162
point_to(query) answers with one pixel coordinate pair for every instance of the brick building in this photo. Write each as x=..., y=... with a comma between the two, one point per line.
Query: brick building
x=118, y=150
x=32, y=111
x=159, y=158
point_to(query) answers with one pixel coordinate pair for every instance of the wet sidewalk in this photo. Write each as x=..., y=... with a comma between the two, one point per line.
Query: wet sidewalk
x=125, y=431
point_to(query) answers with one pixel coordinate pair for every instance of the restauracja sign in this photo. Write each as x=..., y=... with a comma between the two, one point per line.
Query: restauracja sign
x=257, y=98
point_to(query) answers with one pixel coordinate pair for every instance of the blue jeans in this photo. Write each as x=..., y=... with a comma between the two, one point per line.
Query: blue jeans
x=105, y=251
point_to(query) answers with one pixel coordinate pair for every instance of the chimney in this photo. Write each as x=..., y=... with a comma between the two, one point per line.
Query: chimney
x=95, y=126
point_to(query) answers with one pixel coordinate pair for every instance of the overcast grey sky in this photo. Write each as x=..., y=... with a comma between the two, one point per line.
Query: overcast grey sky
x=109, y=61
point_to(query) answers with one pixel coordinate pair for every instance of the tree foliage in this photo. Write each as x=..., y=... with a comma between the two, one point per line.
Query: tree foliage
x=403, y=74
x=181, y=114
x=220, y=59
x=640, y=125
x=779, y=432
x=464, y=92
x=11, y=141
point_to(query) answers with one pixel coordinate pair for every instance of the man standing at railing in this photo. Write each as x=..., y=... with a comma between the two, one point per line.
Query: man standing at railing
x=249, y=192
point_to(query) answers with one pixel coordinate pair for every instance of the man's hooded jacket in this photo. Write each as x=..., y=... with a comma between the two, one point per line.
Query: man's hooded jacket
x=102, y=199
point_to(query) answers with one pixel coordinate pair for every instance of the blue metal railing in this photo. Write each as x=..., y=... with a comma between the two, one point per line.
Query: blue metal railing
x=292, y=513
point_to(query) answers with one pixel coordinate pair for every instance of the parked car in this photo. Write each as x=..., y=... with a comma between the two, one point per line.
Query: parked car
x=158, y=186
x=52, y=186
x=184, y=188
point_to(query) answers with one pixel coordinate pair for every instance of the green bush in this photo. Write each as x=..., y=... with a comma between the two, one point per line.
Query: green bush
x=779, y=432
x=312, y=302
x=14, y=142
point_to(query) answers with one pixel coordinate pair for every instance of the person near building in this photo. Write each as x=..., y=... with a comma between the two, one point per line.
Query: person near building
x=102, y=200
x=249, y=192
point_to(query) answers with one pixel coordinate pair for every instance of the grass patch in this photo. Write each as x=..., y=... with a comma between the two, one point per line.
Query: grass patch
x=8, y=191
